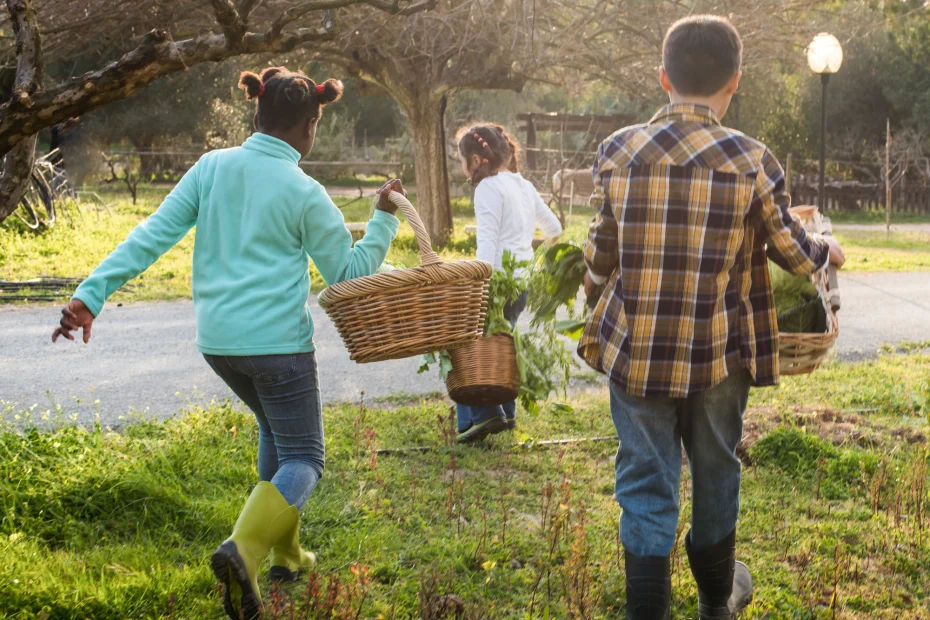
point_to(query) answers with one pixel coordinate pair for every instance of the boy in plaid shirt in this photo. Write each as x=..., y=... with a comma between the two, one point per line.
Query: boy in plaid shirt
x=689, y=214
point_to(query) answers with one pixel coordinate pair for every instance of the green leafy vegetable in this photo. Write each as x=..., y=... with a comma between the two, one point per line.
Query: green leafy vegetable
x=571, y=328
x=556, y=279
x=545, y=365
x=797, y=302
x=544, y=361
x=445, y=363
x=506, y=286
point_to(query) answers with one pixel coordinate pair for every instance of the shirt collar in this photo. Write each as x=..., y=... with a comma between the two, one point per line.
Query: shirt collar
x=686, y=113
x=269, y=145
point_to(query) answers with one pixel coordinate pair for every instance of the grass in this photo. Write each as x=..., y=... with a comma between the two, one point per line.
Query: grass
x=877, y=217
x=100, y=524
x=74, y=252
x=347, y=180
x=880, y=251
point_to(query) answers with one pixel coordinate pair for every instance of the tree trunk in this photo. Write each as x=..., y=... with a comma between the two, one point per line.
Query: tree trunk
x=16, y=168
x=429, y=154
x=15, y=173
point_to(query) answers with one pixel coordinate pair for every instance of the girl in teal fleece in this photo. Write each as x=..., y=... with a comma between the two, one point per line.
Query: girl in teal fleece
x=260, y=220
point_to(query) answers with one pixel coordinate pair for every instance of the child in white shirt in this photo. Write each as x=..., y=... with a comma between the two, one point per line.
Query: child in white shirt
x=508, y=210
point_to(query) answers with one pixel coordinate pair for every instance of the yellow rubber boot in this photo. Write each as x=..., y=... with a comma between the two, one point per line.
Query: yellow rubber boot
x=288, y=560
x=265, y=521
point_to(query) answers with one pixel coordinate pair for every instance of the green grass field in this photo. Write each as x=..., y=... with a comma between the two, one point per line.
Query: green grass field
x=102, y=523
x=74, y=252
x=881, y=251
x=877, y=217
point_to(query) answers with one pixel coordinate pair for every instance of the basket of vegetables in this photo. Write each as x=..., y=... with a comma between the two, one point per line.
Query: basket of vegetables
x=505, y=364
x=407, y=312
x=805, y=306
x=484, y=372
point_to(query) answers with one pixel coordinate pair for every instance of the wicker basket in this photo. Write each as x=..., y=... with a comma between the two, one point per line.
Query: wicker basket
x=484, y=372
x=408, y=312
x=800, y=354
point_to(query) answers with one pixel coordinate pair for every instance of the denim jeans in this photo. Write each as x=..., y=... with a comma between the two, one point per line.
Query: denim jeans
x=467, y=416
x=648, y=465
x=284, y=394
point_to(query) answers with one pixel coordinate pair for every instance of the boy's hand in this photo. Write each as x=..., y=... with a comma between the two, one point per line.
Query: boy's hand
x=592, y=290
x=74, y=316
x=589, y=285
x=384, y=204
x=837, y=257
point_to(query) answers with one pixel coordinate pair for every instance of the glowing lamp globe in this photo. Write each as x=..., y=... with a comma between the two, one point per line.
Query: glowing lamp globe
x=825, y=54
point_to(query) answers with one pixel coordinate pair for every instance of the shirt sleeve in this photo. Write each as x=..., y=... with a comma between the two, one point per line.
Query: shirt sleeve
x=489, y=205
x=329, y=244
x=546, y=220
x=602, y=249
x=145, y=244
x=788, y=244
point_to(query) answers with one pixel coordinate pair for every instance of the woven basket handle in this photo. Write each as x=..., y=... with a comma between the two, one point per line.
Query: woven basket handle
x=427, y=255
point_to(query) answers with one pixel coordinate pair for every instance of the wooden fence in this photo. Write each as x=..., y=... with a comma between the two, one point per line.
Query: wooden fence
x=862, y=196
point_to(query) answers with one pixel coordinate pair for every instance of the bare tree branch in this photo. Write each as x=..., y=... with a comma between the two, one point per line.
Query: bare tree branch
x=155, y=56
x=246, y=7
x=229, y=20
x=393, y=7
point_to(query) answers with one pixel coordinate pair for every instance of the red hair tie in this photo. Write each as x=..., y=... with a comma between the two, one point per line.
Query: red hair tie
x=261, y=89
x=320, y=88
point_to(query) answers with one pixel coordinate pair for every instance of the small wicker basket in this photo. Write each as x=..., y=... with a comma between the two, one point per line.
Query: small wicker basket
x=409, y=312
x=800, y=354
x=484, y=372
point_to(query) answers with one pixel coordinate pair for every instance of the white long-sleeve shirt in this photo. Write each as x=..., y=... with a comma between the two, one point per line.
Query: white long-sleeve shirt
x=508, y=209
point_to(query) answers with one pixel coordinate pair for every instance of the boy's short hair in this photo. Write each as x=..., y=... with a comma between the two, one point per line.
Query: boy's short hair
x=701, y=54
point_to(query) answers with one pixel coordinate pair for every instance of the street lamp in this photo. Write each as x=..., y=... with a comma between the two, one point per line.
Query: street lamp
x=824, y=56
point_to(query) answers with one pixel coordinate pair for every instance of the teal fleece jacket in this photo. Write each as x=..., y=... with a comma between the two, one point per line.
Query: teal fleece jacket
x=259, y=221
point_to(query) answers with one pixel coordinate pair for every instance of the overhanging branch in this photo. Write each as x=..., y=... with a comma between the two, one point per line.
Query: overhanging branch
x=155, y=57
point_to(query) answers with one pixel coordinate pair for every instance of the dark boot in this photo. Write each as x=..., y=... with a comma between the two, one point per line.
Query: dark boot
x=724, y=585
x=648, y=587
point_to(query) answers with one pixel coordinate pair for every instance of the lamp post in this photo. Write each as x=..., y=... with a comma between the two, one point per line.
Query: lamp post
x=824, y=56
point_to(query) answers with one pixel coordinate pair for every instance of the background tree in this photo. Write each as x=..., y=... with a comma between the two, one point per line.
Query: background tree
x=423, y=61
x=467, y=45
x=179, y=35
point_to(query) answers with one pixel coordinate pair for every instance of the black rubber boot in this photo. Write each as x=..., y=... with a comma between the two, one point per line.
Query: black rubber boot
x=648, y=587
x=724, y=585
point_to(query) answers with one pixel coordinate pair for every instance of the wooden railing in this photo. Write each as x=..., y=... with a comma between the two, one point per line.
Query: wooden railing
x=862, y=196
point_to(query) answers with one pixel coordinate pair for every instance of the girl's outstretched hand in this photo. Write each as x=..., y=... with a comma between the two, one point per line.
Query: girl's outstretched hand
x=384, y=204
x=74, y=316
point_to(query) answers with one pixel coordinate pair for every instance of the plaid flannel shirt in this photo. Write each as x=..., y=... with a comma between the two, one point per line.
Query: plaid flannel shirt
x=688, y=211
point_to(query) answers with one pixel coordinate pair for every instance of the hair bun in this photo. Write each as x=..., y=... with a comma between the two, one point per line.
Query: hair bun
x=331, y=91
x=251, y=84
x=298, y=90
x=270, y=72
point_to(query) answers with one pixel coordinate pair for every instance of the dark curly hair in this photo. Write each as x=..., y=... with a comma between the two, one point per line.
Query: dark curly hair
x=285, y=98
x=492, y=145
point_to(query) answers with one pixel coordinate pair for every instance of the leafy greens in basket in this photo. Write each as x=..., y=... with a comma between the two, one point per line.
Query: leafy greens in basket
x=544, y=362
x=797, y=302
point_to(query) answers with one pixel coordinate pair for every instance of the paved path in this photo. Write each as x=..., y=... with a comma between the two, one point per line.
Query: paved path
x=143, y=357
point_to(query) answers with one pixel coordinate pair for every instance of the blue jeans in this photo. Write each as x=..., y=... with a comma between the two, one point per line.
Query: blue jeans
x=648, y=465
x=467, y=416
x=283, y=392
